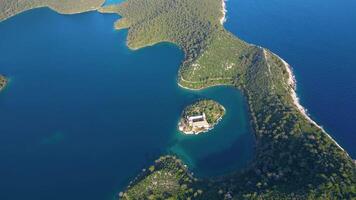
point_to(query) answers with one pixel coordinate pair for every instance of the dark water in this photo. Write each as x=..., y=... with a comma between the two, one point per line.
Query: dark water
x=318, y=39
x=83, y=114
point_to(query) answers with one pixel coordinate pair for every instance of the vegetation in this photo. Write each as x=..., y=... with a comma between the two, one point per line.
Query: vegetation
x=295, y=158
x=168, y=178
x=185, y=23
x=9, y=8
x=212, y=110
x=3, y=82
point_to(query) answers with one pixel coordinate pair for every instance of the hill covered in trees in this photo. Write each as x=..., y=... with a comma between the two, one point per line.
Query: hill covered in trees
x=167, y=178
x=295, y=158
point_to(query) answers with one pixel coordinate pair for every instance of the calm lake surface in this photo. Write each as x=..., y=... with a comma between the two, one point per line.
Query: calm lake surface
x=317, y=38
x=83, y=114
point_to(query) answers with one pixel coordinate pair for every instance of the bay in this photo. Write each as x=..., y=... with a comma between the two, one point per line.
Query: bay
x=83, y=114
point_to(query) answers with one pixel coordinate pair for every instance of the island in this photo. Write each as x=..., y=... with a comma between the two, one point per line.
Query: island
x=9, y=8
x=200, y=116
x=295, y=158
x=3, y=82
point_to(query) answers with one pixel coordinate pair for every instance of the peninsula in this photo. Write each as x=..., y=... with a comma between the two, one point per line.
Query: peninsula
x=295, y=158
x=9, y=8
x=200, y=116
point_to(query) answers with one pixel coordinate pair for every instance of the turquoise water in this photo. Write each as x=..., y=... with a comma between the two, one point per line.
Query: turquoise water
x=317, y=38
x=83, y=114
x=109, y=2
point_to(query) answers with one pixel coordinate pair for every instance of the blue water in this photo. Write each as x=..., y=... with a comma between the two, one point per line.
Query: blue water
x=317, y=38
x=83, y=114
x=109, y=2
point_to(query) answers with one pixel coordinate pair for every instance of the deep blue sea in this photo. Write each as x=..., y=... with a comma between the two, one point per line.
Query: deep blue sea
x=83, y=114
x=318, y=39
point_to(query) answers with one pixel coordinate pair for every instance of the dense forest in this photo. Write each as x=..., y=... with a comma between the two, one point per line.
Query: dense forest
x=295, y=158
x=9, y=8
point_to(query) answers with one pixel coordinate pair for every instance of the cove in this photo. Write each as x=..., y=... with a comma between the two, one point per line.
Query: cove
x=317, y=38
x=83, y=114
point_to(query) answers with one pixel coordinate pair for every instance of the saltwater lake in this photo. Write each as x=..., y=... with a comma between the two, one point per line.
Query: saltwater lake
x=83, y=114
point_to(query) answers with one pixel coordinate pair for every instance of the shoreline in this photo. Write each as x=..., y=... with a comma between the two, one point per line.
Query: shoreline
x=201, y=88
x=296, y=101
x=10, y=13
x=187, y=88
x=292, y=82
x=291, y=79
x=224, y=11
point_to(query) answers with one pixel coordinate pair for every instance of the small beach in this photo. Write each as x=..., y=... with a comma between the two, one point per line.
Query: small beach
x=224, y=11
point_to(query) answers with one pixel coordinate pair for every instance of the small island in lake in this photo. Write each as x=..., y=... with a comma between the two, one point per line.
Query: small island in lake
x=3, y=82
x=201, y=116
